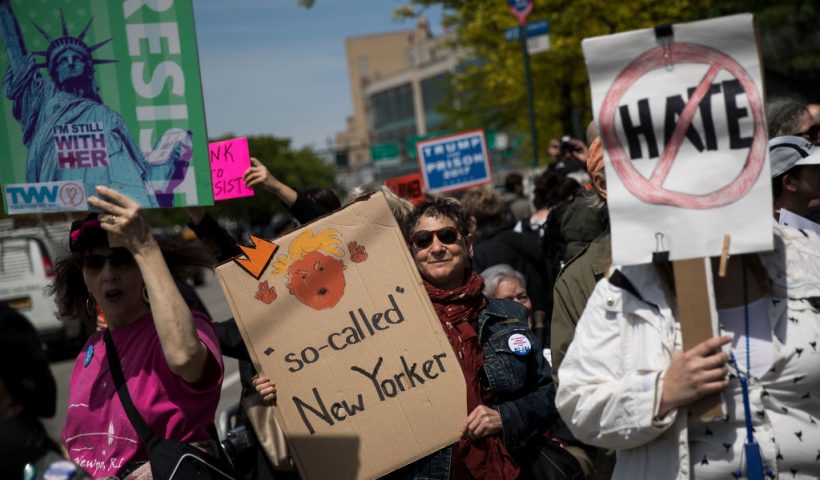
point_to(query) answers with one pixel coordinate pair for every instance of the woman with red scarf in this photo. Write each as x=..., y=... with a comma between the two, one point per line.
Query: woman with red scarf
x=510, y=395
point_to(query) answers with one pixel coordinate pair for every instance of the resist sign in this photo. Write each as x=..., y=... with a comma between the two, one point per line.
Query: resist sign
x=229, y=160
x=680, y=114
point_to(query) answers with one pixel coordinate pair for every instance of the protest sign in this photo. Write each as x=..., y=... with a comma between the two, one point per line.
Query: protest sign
x=408, y=187
x=229, y=161
x=680, y=114
x=336, y=316
x=454, y=162
x=125, y=110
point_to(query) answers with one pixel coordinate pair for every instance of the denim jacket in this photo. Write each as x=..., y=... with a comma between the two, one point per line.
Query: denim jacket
x=520, y=384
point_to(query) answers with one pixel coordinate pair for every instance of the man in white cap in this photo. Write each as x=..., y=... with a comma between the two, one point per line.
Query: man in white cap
x=795, y=165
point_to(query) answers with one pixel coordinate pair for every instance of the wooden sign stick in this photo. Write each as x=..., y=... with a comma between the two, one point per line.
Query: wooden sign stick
x=698, y=317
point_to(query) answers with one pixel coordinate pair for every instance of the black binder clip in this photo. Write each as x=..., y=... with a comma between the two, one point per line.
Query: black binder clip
x=661, y=254
x=665, y=36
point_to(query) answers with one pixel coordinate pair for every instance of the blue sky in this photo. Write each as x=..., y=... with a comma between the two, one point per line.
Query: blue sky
x=274, y=67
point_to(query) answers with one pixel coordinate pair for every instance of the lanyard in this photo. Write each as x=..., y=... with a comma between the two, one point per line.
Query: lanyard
x=755, y=467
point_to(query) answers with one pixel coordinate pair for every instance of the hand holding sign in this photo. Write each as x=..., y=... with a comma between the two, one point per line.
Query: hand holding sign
x=229, y=160
x=122, y=218
x=482, y=421
x=695, y=373
x=258, y=174
x=265, y=388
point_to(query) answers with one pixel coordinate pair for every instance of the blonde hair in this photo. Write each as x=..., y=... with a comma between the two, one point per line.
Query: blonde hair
x=306, y=242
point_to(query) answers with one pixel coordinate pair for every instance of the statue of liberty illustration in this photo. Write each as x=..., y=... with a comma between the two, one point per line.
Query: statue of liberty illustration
x=70, y=97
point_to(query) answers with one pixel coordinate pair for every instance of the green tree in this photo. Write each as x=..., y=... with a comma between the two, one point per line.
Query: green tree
x=789, y=40
x=488, y=91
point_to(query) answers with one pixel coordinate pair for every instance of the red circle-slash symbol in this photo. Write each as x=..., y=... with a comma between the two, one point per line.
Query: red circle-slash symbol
x=651, y=189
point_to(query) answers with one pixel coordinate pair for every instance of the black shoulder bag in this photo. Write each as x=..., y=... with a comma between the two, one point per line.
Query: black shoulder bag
x=170, y=459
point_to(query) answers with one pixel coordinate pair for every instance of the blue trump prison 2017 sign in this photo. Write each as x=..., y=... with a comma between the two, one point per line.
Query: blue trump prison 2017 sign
x=454, y=162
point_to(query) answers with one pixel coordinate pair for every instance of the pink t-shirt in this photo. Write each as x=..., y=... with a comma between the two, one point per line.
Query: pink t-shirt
x=97, y=433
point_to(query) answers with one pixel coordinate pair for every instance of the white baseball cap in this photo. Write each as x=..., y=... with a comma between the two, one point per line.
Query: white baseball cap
x=790, y=151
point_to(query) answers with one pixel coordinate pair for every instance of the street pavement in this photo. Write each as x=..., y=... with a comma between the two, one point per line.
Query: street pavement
x=211, y=294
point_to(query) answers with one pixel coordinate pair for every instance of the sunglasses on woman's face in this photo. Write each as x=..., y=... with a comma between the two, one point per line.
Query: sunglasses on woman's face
x=118, y=258
x=424, y=238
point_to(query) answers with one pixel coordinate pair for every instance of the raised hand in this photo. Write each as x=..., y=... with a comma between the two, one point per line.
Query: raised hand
x=122, y=217
x=258, y=174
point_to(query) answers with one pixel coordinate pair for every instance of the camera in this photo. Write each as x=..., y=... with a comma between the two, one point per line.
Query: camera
x=237, y=441
x=567, y=146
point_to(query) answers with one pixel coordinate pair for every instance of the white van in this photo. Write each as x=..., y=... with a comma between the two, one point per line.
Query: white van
x=27, y=257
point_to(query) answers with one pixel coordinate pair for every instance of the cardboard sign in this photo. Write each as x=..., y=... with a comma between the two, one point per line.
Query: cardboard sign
x=454, y=162
x=229, y=161
x=680, y=114
x=135, y=124
x=336, y=315
x=408, y=187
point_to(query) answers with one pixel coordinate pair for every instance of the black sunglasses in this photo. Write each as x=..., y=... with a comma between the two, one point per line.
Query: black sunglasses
x=118, y=258
x=424, y=238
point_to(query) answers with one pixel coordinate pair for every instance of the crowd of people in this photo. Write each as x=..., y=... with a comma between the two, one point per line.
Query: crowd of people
x=603, y=393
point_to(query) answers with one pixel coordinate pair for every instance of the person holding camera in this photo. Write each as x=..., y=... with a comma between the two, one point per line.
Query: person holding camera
x=567, y=155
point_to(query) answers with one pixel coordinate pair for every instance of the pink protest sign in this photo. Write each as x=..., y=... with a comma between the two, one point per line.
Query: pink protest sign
x=229, y=160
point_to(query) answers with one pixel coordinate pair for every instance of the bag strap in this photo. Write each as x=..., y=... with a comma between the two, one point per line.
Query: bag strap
x=147, y=436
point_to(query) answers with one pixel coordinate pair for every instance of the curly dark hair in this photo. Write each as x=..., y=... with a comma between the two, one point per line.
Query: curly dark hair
x=440, y=207
x=324, y=197
x=183, y=257
x=552, y=188
x=783, y=115
x=486, y=206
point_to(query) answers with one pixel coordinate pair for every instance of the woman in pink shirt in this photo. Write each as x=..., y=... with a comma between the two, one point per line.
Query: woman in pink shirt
x=170, y=356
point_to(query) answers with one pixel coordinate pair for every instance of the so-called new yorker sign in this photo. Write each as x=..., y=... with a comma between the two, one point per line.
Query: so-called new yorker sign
x=336, y=316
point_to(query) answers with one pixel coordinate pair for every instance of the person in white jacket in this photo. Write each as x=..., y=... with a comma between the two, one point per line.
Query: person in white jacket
x=625, y=384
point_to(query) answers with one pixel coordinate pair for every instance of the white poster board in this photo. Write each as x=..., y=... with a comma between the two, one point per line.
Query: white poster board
x=682, y=122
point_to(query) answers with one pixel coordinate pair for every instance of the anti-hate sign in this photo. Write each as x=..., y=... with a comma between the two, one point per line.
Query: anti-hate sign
x=454, y=162
x=335, y=315
x=100, y=93
x=680, y=114
x=229, y=161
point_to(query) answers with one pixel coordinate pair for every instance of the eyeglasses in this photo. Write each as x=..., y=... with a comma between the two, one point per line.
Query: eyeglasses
x=424, y=238
x=812, y=134
x=118, y=258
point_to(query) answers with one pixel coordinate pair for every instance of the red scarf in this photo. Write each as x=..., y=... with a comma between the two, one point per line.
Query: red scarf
x=458, y=309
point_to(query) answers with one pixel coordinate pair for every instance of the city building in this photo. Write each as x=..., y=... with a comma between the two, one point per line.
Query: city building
x=397, y=82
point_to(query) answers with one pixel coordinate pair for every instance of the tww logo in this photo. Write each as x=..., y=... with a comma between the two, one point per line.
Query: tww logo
x=32, y=194
x=45, y=197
